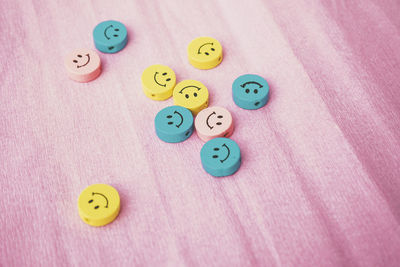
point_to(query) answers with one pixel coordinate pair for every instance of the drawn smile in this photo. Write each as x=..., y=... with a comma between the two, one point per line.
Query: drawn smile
x=251, y=82
x=155, y=79
x=198, y=88
x=105, y=31
x=80, y=66
x=100, y=194
x=198, y=51
x=209, y=116
x=227, y=156
x=180, y=115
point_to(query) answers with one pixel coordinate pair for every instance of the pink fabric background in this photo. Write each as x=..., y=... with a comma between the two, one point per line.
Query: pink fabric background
x=319, y=183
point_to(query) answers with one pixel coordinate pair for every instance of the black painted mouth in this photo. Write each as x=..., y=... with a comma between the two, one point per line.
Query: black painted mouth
x=88, y=56
x=180, y=115
x=105, y=31
x=155, y=79
x=100, y=194
x=209, y=116
x=229, y=153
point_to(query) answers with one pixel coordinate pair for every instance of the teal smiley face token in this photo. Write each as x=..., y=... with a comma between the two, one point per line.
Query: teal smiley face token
x=110, y=36
x=220, y=157
x=250, y=91
x=174, y=124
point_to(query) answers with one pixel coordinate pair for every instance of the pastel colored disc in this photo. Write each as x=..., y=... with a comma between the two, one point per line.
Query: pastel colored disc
x=204, y=53
x=158, y=81
x=250, y=91
x=174, y=124
x=99, y=204
x=110, y=36
x=213, y=122
x=83, y=65
x=192, y=95
x=220, y=157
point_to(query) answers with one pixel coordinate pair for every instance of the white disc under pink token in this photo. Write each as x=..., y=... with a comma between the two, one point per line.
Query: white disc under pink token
x=213, y=122
x=83, y=65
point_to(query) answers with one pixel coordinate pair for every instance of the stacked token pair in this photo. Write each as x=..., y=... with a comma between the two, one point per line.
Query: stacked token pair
x=84, y=65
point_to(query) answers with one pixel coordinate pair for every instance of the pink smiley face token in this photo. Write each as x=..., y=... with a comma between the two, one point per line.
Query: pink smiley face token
x=213, y=122
x=83, y=65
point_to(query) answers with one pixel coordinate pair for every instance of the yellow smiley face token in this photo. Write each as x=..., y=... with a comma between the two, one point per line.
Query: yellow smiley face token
x=158, y=81
x=98, y=204
x=192, y=95
x=204, y=53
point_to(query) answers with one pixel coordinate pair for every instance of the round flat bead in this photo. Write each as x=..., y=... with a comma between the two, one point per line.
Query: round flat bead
x=110, y=36
x=250, y=91
x=220, y=157
x=158, y=82
x=204, y=53
x=192, y=95
x=99, y=204
x=83, y=65
x=213, y=122
x=174, y=124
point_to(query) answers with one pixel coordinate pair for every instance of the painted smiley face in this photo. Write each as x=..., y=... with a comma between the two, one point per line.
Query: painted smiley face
x=250, y=91
x=220, y=157
x=166, y=78
x=205, y=53
x=110, y=36
x=99, y=204
x=94, y=202
x=213, y=122
x=80, y=65
x=83, y=65
x=174, y=124
x=191, y=94
x=111, y=32
x=158, y=81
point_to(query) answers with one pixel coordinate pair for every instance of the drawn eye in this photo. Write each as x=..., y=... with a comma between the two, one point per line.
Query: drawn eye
x=216, y=148
x=212, y=49
x=90, y=201
x=164, y=73
x=96, y=207
x=195, y=94
x=79, y=55
x=187, y=96
x=117, y=30
x=247, y=91
x=215, y=156
x=170, y=122
x=75, y=61
x=168, y=79
x=255, y=91
x=219, y=116
x=115, y=35
x=169, y=116
x=219, y=123
x=206, y=53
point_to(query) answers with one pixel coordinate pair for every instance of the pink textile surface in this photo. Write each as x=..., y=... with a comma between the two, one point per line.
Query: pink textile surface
x=319, y=183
